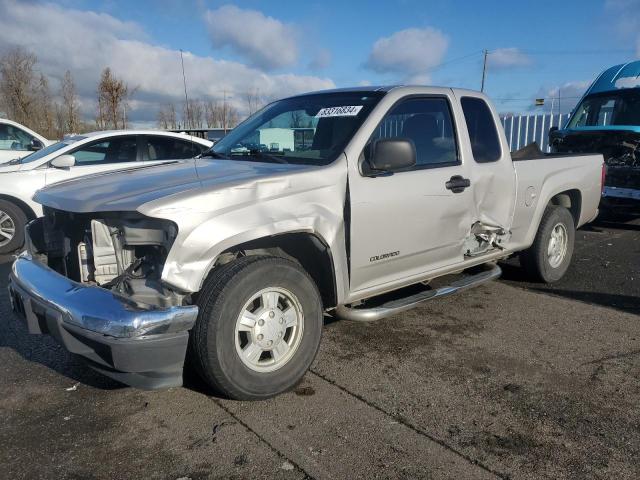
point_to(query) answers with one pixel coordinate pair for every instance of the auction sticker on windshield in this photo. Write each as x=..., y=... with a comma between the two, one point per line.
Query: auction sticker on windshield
x=345, y=111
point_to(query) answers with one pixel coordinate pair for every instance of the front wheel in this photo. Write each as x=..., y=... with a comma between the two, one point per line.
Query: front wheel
x=258, y=329
x=550, y=255
x=12, y=223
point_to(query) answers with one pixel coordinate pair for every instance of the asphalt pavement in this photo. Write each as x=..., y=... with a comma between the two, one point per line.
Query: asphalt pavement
x=510, y=380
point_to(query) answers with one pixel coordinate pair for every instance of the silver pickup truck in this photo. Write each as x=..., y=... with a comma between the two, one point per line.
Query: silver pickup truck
x=346, y=202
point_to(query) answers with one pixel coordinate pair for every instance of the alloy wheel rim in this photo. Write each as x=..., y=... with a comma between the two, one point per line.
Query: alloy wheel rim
x=269, y=329
x=7, y=228
x=557, y=247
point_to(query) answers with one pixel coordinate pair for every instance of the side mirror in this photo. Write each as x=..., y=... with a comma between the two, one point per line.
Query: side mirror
x=63, y=161
x=36, y=145
x=392, y=154
x=553, y=129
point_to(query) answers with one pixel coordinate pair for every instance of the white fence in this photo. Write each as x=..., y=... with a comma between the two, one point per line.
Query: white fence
x=521, y=130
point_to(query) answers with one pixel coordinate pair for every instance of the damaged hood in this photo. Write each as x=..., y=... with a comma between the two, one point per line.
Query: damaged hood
x=127, y=190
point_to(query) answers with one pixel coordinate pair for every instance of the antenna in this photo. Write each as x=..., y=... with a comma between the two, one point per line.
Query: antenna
x=184, y=82
x=186, y=104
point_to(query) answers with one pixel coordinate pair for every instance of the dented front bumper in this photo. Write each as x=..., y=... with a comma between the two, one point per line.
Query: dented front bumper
x=137, y=344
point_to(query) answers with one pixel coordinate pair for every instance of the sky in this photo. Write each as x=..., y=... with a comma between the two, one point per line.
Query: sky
x=541, y=49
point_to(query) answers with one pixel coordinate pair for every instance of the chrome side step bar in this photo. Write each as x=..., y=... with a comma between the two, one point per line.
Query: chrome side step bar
x=364, y=314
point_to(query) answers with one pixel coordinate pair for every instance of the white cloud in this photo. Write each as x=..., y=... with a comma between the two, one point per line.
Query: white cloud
x=418, y=79
x=85, y=42
x=626, y=20
x=508, y=57
x=264, y=41
x=321, y=60
x=410, y=52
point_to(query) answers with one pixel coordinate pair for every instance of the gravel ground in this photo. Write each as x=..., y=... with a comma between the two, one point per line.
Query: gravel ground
x=510, y=380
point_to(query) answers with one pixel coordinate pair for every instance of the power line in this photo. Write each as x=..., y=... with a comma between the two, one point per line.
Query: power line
x=576, y=52
x=529, y=99
x=454, y=60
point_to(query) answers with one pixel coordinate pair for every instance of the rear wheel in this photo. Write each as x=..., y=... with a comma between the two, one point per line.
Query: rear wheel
x=550, y=255
x=12, y=223
x=258, y=328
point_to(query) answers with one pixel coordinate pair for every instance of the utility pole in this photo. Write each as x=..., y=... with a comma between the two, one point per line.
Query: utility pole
x=484, y=68
x=186, y=98
x=559, y=109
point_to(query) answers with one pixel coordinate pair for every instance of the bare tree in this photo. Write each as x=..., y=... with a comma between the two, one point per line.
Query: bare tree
x=232, y=118
x=193, y=114
x=298, y=120
x=60, y=119
x=228, y=114
x=112, y=97
x=253, y=100
x=18, y=85
x=70, y=109
x=212, y=114
x=167, y=117
x=44, y=106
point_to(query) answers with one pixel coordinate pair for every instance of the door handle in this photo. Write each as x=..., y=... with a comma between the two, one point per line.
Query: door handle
x=457, y=184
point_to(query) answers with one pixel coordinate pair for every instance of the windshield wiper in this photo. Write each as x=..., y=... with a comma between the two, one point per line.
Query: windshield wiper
x=260, y=155
x=212, y=154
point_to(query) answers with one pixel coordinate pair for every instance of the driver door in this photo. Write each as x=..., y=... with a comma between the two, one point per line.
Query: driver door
x=411, y=222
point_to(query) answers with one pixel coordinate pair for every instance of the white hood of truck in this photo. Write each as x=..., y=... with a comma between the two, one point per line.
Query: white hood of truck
x=128, y=190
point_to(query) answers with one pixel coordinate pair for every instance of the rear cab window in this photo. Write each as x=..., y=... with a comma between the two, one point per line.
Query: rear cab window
x=483, y=134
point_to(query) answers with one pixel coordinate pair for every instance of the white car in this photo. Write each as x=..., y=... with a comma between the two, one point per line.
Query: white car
x=18, y=141
x=75, y=156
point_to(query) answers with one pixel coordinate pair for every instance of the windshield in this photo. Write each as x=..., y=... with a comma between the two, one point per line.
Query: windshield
x=607, y=109
x=43, y=152
x=310, y=129
x=68, y=140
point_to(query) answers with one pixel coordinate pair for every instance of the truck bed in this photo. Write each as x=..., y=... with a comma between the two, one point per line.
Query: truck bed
x=540, y=175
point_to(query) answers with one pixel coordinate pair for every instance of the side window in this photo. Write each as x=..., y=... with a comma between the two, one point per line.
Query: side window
x=115, y=150
x=12, y=138
x=427, y=122
x=166, y=148
x=485, y=143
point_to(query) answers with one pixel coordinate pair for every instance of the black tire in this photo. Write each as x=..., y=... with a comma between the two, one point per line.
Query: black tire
x=212, y=346
x=19, y=220
x=535, y=260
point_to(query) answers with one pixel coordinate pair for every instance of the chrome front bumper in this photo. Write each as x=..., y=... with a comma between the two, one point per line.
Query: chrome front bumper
x=140, y=345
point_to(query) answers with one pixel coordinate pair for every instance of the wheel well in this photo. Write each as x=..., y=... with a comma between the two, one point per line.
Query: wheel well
x=571, y=200
x=306, y=249
x=20, y=204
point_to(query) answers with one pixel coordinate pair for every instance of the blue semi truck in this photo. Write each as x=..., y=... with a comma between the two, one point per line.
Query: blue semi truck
x=607, y=121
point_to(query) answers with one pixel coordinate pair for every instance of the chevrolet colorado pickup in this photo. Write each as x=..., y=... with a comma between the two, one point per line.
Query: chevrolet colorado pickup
x=228, y=263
